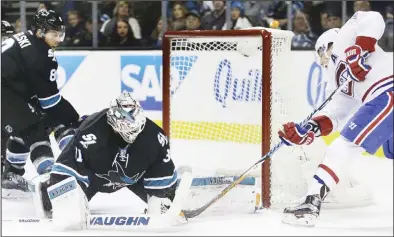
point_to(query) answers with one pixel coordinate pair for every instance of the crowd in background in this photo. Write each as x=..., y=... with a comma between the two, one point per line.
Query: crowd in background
x=139, y=24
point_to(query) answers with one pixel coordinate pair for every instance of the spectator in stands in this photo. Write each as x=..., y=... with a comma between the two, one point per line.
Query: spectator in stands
x=45, y=5
x=88, y=36
x=147, y=13
x=277, y=10
x=215, y=19
x=193, y=20
x=106, y=8
x=324, y=21
x=238, y=19
x=18, y=26
x=178, y=21
x=202, y=7
x=156, y=36
x=253, y=10
x=303, y=36
x=122, y=35
x=334, y=19
x=75, y=30
x=120, y=12
x=386, y=42
x=361, y=6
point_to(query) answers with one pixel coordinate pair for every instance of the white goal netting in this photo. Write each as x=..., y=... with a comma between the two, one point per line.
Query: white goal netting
x=218, y=119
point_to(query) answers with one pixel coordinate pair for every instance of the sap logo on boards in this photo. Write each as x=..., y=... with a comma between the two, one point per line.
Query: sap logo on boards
x=142, y=75
x=119, y=220
x=67, y=66
x=231, y=85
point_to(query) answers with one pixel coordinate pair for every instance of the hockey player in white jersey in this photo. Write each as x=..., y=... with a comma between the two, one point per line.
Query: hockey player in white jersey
x=349, y=52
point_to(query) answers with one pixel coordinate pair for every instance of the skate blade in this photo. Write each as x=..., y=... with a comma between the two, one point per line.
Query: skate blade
x=307, y=220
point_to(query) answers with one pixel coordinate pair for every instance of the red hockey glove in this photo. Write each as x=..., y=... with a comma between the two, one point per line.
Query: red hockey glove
x=355, y=57
x=294, y=134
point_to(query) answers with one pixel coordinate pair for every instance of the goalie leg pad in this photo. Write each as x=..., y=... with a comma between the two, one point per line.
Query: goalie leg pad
x=172, y=210
x=41, y=201
x=70, y=209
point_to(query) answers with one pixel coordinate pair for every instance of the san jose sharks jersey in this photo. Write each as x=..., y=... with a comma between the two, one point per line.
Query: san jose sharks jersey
x=29, y=68
x=103, y=162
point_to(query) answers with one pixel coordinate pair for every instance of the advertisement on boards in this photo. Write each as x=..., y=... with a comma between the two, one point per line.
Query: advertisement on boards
x=142, y=75
x=91, y=79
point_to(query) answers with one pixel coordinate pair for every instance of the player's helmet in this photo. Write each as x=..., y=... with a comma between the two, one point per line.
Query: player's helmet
x=323, y=43
x=46, y=20
x=6, y=30
x=126, y=117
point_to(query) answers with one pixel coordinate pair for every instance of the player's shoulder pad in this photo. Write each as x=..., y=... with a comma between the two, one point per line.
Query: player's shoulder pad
x=154, y=130
x=27, y=42
x=89, y=130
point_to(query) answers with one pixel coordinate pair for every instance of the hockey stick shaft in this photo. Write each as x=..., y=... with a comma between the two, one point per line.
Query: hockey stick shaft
x=198, y=211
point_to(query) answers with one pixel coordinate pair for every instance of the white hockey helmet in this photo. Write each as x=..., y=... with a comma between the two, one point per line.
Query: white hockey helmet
x=126, y=117
x=323, y=43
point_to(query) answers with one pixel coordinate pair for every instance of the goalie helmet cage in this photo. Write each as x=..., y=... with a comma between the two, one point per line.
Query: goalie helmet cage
x=196, y=60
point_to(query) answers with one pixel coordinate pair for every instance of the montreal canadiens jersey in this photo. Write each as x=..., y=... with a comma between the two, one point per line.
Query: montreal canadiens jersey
x=377, y=81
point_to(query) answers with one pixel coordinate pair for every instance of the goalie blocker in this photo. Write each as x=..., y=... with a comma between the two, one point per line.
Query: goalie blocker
x=115, y=148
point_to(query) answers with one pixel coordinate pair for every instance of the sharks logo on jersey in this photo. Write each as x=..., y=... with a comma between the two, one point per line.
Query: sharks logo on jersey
x=116, y=177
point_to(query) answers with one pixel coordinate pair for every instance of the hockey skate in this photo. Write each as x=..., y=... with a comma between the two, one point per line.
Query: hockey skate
x=304, y=214
x=13, y=184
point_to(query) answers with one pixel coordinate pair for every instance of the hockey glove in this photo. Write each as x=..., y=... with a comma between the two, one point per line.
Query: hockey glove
x=356, y=59
x=294, y=134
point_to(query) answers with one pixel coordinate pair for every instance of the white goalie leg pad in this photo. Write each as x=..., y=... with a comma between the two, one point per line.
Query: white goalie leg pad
x=38, y=181
x=153, y=220
x=157, y=205
x=174, y=215
x=70, y=209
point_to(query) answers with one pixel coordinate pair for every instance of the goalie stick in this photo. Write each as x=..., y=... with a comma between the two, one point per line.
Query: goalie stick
x=198, y=211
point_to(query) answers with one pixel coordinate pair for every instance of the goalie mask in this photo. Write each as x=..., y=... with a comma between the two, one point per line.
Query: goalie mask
x=126, y=117
x=323, y=45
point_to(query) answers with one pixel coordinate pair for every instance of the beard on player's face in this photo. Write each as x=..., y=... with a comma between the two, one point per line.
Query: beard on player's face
x=51, y=38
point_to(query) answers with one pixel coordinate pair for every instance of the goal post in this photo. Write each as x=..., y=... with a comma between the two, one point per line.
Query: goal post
x=225, y=96
x=265, y=37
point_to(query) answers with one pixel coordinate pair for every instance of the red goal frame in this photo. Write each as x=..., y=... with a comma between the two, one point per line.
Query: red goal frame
x=266, y=37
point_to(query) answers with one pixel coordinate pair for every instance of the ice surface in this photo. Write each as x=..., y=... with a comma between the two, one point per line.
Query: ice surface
x=373, y=220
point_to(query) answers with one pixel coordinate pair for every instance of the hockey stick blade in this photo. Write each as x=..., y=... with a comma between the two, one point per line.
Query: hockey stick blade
x=198, y=211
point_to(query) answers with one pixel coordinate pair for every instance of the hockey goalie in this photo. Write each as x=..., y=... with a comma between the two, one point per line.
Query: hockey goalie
x=349, y=52
x=115, y=148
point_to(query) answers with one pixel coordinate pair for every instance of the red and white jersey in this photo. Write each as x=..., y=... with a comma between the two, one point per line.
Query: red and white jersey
x=378, y=80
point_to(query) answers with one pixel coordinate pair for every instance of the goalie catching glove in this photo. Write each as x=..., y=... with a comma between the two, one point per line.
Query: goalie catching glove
x=294, y=134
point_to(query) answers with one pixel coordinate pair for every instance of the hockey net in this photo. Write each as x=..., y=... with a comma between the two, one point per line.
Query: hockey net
x=225, y=96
